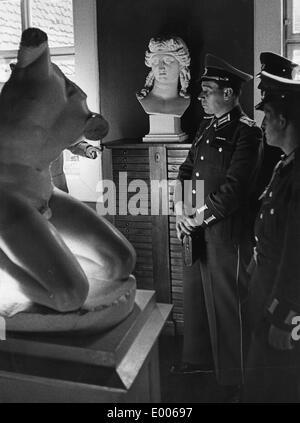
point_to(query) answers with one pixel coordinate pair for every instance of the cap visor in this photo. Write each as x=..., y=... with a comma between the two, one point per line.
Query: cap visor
x=260, y=106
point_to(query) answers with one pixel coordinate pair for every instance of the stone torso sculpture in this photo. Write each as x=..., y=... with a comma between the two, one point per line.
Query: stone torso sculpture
x=54, y=251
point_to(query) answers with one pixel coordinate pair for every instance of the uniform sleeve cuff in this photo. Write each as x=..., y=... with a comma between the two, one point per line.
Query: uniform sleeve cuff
x=209, y=214
x=80, y=149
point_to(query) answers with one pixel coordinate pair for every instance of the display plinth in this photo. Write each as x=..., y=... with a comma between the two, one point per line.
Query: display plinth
x=120, y=365
x=165, y=128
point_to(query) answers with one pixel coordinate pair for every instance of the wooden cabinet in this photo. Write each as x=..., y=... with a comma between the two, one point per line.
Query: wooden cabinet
x=159, y=255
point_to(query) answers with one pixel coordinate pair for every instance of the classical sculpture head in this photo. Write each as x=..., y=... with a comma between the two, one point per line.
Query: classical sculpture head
x=168, y=80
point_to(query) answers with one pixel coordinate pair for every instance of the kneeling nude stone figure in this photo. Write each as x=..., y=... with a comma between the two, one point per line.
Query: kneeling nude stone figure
x=55, y=252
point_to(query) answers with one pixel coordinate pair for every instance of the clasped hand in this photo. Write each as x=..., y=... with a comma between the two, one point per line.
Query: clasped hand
x=186, y=224
x=92, y=152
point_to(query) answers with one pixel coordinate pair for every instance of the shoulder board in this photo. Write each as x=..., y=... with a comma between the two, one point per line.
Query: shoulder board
x=247, y=121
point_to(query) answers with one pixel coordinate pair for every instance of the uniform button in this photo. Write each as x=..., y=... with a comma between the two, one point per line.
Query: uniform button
x=197, y=174
x=271, y=194
x=256, y=239
x=194, y=191
x=220, y=149
x=261, y=216
x=202, y=158
x=207, y=141
x=272, y=211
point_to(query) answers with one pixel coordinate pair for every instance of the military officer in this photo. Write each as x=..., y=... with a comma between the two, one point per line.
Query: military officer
x=225, y=154
x=272, y=370
x=281, y=66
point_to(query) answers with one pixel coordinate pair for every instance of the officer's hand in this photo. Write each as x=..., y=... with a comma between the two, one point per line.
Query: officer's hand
x=92, y=152
x=280, y=339
x=181, y=227
x=185, y=225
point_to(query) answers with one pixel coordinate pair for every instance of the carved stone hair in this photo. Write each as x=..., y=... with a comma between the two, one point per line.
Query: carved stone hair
x=176, y=47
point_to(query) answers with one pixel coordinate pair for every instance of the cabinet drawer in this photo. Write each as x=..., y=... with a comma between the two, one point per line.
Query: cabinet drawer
x=131, y=167
x=132, y=225
x=130, y=159
x=177, y=153
x=132, y=174
x=130, y=220
x=130, y=152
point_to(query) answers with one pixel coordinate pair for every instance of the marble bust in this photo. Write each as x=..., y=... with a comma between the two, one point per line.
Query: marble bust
x=169, y=61
x=164, y=97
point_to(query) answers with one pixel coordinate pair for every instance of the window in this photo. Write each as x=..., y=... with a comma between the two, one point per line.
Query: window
x=55, y=17
x=71, y=26
x=292, y=31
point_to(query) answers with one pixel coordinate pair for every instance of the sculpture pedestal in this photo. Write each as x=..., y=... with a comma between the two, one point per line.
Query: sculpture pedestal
x=165, y=128
x=118, y=366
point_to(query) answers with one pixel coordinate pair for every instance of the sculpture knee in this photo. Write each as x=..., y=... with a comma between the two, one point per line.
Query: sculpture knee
x=70, y=299
x=127, y=260
x=13, y=210
x=120, y=262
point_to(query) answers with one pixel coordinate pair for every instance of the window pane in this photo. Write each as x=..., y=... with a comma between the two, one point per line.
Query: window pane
x=66, y=64
x=296, y=55
x=296, y=16
x=10, y=24
x=293, y=51
x=5, y=70
x=55, y=17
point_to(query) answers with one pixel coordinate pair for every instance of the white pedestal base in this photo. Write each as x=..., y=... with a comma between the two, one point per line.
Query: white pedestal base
x=165, y=128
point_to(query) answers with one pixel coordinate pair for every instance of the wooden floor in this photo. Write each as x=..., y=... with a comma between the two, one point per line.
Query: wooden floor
x=186, y=388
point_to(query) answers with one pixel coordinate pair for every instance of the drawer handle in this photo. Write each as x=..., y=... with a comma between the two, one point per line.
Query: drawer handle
x=157, y=157
x=124, y=166
x=124, y=152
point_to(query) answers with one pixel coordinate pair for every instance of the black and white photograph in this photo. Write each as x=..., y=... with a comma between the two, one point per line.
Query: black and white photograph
x=149, y=204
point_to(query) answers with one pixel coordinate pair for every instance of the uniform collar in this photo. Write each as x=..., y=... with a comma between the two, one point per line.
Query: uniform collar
x=288, y=158
x=228, y=117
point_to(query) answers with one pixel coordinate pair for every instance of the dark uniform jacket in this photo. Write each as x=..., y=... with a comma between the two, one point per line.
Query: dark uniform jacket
x=226, y=155
x=275, y=286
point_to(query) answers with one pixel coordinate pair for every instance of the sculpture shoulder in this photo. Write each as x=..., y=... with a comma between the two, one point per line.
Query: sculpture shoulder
x=156, y=105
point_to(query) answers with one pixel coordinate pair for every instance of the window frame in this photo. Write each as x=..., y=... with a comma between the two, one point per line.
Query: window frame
x=268, y=36
x=290, y=39
x=26, y=22
x=84, y=186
